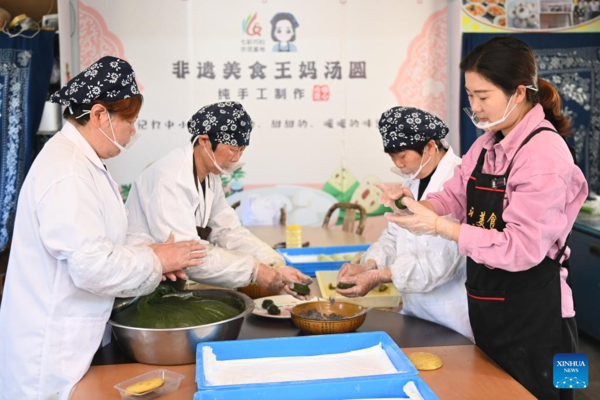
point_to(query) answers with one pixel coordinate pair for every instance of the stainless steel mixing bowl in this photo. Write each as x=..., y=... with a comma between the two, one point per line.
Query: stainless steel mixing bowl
x=178, y=345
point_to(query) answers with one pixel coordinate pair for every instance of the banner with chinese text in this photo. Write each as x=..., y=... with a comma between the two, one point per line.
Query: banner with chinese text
x=315, y=76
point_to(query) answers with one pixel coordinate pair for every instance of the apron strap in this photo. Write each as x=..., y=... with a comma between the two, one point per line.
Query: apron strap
x=527, y=139
x=207, y=180
x=480, y=162
x=562, y=251
x=567, y=265
x=195, y=173
x=481, y=158
x=203, y=232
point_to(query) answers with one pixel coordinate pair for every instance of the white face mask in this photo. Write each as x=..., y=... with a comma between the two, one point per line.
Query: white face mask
x=486, y=126
x=230, y=170
x=122, y=149
x=411, y=177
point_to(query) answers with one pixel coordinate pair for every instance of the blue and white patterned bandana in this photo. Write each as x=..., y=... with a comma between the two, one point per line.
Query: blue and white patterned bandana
x=108, y=79
x=226, y=122
x=408, y=126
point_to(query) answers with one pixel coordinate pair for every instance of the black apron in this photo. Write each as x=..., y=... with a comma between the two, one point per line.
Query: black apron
x=516, y=316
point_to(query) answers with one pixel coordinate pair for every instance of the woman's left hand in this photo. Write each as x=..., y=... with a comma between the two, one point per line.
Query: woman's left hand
x=420, y=222
x=350, y=269
x=391, y=193
x=424, y=221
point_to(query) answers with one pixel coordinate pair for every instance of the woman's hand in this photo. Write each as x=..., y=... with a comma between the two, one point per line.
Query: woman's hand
x=177, y=256
x=424, y=221
x=365, y=282
x=391, y=193
x=174, y=275
x=290, y=277
x=269, y=278
x=350, y=269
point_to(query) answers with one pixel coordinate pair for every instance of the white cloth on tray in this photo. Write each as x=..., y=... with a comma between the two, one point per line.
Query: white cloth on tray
x=370, y=361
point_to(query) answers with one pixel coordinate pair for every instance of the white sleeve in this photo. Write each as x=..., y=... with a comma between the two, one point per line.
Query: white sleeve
x=138, y=238
x=228, y=232
x=72, y=228
x=171, y=210
x=224, y=268
x=430, y=264
x=384, y=249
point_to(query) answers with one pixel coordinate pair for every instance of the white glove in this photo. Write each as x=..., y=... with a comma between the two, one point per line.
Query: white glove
x=269, y=278
x=365, y=282
x=350, y=269
x=292, y=275
x=423, y=221
x=391, y=193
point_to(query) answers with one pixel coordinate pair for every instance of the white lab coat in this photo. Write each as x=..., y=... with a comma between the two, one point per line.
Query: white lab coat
x=428, y=270
x=68, y=261
x=164, y=200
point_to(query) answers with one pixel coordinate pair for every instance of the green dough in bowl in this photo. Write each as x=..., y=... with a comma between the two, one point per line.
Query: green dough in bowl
x=157, y=312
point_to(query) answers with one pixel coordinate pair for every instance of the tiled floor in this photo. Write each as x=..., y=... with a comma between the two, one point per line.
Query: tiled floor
x=591, y=347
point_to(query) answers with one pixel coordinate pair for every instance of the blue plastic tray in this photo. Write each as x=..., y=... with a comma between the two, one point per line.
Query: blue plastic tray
x=309, y=268
x=303, y=346
x=357, y=389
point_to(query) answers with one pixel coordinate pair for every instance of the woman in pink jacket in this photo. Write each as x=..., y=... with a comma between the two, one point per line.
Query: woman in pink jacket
x=516, y=195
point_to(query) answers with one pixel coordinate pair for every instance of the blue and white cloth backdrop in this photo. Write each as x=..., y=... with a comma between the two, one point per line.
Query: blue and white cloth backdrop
x=25, y=68
x=571, y=62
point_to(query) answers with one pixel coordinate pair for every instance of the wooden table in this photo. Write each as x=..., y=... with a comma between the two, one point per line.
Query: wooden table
x=467, y=372
x=318, y=237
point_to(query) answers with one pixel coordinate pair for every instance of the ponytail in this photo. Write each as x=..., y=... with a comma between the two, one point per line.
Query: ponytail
x=549, y=98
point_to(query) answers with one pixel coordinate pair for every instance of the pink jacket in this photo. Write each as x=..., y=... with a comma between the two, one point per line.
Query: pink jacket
x=544, y=193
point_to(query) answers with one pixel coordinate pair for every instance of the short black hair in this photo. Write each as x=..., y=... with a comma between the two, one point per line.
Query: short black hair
x=274, y=24
x=418, y=147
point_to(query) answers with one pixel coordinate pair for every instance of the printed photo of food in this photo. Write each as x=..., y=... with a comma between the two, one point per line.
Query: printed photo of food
x=523, y=14
x=488, y=11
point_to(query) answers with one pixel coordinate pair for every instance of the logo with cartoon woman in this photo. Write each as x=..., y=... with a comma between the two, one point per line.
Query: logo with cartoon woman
x=283, y=31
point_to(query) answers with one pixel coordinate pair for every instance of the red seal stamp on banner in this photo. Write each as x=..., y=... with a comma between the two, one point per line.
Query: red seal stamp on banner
x=320, y=93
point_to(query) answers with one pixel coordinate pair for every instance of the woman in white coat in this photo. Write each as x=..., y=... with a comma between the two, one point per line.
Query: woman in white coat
x=427, y=270
x=182, y=194
x=71, y=254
